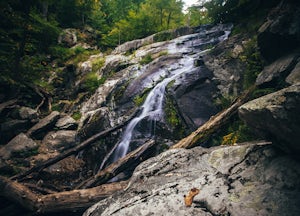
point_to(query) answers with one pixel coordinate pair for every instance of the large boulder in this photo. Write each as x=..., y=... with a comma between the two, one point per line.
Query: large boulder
x=39, y=129
x=193, y=94
x=15, y=120
x=278, y=70
x=276, y=116
x=66, y=123
x=60, y=140
x=281, y=32
x=226, y=66
x=19, y=145
x=249, y=179
x=28, y=114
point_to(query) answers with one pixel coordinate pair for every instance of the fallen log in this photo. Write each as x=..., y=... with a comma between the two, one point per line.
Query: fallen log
x=116, y=167
x=203, y=133
x=74, y=150
x=56, y=202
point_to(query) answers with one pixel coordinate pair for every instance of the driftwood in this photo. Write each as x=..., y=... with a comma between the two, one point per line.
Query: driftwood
x=74, y=150
x=117, y=167
x=214, y=123
x=56, y=202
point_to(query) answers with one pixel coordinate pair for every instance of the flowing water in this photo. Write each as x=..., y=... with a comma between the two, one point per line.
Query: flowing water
x=191, y=47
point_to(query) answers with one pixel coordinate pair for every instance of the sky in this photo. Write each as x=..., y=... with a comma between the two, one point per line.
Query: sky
x=190, y=2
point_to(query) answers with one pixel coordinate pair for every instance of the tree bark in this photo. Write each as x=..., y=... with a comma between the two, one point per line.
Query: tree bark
x=74, y=150
x=56, y=202
x=203, y=133
x=117, y=167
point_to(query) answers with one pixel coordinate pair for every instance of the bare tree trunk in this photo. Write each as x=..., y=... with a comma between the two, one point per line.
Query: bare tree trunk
x=74, y=150
x=117, y=167
x=56, y=202
x=203, y=133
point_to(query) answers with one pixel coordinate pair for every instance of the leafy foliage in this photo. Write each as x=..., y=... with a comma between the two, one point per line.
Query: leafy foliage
x=146, y=60
x=254, y=63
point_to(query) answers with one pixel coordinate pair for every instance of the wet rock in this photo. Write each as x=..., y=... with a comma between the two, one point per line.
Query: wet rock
x=278, y=70
x=66, y=123
x=193, y=95
x=18, y=145
x=39, y=129
x=60, y=140
x=276, y=116
x=249, y=179
x=281, y=32
x=68, y=37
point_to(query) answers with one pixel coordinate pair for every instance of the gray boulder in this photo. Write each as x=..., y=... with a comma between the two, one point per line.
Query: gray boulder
x=60, y=140
x=193, y=94
x=276, y=116
x=249, y=179
x=39, y=129
x=278, y=70
x=226, y=66
x=17, y=145
x=28, y=113
x=66, y=123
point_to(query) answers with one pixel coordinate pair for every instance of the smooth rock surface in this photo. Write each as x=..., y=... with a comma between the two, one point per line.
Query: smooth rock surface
x=249, y=179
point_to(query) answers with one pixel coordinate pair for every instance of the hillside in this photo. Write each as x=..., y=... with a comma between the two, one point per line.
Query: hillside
x=211, y=109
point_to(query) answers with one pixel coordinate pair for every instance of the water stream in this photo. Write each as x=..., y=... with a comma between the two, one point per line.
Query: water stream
x=191, y=48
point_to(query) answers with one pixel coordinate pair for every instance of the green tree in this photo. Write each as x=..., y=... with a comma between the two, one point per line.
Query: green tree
x=25, y=38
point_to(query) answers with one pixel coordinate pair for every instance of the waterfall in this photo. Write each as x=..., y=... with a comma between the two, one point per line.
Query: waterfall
x=190, y=46
x=152, y=107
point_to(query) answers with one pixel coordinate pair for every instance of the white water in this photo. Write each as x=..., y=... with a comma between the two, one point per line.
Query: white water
x=153, y=105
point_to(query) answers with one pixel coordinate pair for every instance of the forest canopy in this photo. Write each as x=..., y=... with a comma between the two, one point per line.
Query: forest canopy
x=30, y=28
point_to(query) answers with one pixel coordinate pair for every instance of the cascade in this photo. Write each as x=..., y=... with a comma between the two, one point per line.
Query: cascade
x=191, y=47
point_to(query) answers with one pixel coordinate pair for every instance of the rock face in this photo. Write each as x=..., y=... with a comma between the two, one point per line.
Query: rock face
x=236, y=180
x=278, y=70
x=281, y=32
x=225, y=65
x=276, y=116
x=193, y=96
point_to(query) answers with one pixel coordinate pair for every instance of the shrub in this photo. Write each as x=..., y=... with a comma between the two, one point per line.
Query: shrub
x=146, y=60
